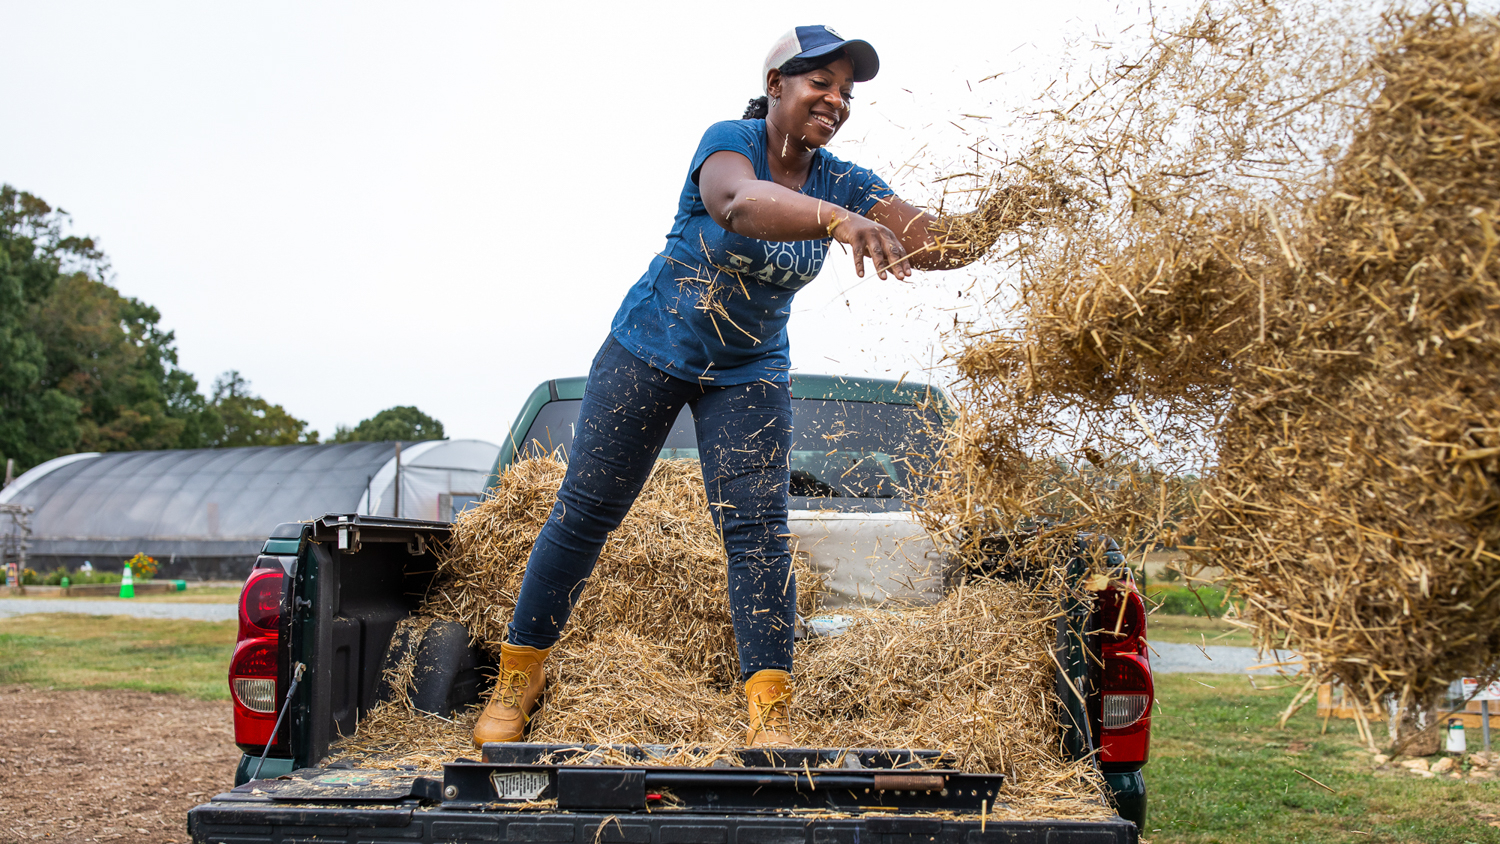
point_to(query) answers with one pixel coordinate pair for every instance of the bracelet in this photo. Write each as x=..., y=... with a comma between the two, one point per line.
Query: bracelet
x=833, y=224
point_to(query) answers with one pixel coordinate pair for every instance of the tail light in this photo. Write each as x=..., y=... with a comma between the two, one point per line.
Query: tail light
x=1122, y=620
x=254, y=670
x=1126, y=686
x=1127, y=692
x=252, y=674
x=260, y=605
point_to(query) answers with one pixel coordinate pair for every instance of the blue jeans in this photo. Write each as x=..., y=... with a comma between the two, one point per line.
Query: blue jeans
x=744, y=439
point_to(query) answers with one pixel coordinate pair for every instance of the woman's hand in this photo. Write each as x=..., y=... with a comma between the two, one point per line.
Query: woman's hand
x=869, y=239
x=957, y=240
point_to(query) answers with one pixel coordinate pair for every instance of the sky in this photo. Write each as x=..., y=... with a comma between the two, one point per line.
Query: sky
x=363, y=205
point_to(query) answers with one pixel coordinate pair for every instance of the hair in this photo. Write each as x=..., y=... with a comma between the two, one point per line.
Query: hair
x=759, y=107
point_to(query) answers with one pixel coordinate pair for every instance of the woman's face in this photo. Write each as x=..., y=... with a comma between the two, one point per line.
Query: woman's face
x=814, y=105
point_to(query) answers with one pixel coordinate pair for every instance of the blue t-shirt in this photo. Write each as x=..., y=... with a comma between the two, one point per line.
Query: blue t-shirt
x=713, y=306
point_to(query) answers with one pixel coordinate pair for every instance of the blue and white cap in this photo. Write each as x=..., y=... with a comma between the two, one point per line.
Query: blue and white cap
x=809, y=42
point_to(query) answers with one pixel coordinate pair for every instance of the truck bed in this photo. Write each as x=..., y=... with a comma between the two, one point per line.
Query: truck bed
x=353, y=578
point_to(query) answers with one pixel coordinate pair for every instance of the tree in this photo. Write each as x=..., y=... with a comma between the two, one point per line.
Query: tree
x=402, y=422
x=247, y=419
x=202, y=426
x=83, y=367
x=37, y=419
x=106, y=351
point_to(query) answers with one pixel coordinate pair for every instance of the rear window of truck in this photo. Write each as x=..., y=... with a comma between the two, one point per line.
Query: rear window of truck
x=839, y=449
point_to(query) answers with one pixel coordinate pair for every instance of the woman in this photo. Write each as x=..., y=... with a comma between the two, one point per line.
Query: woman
x=706, y=327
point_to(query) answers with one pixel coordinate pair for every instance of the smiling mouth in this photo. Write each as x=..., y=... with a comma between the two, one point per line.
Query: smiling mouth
x=826, y=120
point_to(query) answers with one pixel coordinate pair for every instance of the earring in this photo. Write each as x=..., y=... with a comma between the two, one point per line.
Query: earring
x=775, y=101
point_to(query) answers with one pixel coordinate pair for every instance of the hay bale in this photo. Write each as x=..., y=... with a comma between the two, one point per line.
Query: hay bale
x=618, y=687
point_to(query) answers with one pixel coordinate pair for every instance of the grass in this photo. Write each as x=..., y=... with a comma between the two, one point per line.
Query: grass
x=69, y=651
x=1222, y=771
x=1175, y=599
x=1195, y=630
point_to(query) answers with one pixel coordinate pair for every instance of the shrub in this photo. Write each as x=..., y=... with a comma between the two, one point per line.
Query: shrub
x=78, y=578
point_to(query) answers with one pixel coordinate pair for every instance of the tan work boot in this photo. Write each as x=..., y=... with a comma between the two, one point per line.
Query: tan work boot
x=517, y=689
x=769, y=693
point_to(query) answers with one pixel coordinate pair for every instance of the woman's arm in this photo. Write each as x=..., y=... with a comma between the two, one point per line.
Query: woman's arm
x=953, y=241
x=765, y=210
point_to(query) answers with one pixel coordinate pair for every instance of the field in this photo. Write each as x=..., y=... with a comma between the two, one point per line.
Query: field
x=67, y=651
x=1221, y=770
x=1195, y=630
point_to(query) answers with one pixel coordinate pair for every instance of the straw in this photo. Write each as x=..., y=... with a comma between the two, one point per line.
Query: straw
x=1273, y=339
x=971, y=676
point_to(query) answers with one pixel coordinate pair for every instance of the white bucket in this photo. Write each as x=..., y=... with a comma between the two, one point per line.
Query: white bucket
x=1456, y=742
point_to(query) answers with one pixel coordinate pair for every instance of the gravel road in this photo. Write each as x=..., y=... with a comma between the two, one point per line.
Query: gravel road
x=1170, y=658
x=142, y=609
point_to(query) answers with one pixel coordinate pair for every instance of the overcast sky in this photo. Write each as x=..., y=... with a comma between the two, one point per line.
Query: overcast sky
x=442, y=204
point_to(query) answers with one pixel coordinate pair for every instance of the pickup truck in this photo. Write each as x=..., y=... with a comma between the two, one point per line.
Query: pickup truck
x=321, y=605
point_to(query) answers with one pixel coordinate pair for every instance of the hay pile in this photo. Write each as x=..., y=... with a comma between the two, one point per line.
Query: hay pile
x=648, y=658
x=661, y=575
x=972, y=676
x=1276, y=332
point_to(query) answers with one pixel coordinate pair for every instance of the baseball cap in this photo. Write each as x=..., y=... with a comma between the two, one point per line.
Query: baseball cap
x=809, y=42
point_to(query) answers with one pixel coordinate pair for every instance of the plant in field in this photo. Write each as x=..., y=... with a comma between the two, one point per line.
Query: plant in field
x=142, y=566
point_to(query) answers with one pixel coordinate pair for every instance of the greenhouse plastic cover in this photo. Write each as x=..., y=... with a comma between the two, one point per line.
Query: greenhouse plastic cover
x=225, y=502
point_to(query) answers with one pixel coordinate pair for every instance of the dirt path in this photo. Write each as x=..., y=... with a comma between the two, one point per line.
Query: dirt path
x=108, y=766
